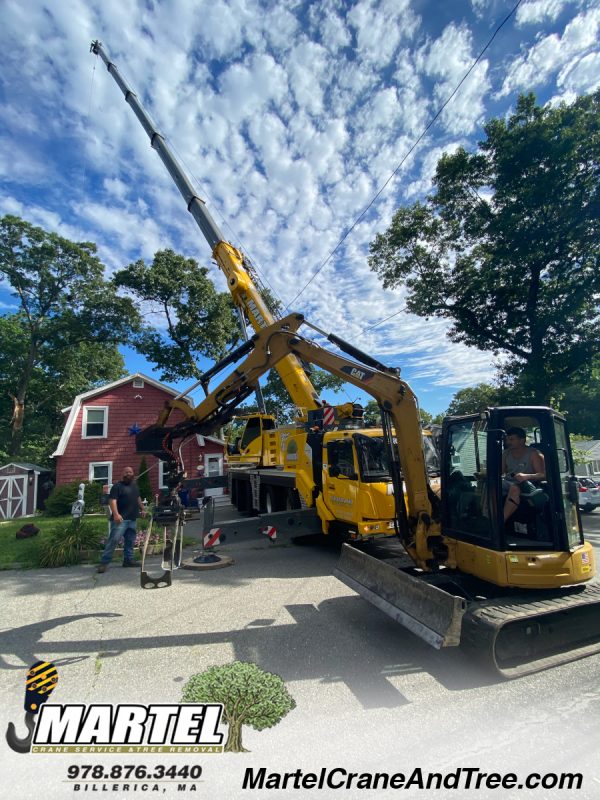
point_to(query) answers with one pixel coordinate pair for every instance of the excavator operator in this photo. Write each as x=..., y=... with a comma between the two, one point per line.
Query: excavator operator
x=520, y=463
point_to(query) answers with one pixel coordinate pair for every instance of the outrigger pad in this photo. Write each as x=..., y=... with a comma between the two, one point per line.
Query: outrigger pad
x=150, y=442
x=162, y=582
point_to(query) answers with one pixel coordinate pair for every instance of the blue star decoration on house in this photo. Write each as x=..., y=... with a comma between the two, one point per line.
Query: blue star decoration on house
x=134, y=429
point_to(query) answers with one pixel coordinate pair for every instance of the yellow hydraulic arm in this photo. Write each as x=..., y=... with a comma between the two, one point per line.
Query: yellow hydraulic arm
x=418, y=528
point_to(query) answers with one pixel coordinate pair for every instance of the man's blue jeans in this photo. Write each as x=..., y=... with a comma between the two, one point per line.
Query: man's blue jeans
x=119, y=530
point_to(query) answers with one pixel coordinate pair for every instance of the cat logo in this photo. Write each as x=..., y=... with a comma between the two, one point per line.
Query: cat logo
x=363, y=375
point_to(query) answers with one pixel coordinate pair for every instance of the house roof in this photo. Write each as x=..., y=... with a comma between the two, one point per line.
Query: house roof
x=107, y=386
x=74, y=409
x=215, y=439
x=588, y=446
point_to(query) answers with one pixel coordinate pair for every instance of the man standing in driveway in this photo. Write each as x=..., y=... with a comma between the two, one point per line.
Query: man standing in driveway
x=126, y=506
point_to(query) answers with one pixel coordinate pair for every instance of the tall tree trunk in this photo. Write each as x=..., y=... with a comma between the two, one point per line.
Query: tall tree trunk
x=16, y=435
x=234, y=738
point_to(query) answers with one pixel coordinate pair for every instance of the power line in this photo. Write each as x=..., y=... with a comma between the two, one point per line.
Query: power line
x=418, y=140
x=385, y=319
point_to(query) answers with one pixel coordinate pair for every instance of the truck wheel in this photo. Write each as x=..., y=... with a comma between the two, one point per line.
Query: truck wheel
x=269, y=501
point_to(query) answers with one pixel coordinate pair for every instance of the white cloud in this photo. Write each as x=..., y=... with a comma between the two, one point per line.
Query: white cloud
x=379, y=28
x=424, y=182
x=535, y=11
x=447, y=60
x=553, y=52
x=582, y=76
x=20, y=163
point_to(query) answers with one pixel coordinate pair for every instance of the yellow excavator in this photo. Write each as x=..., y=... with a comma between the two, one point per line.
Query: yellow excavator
x=512, y=592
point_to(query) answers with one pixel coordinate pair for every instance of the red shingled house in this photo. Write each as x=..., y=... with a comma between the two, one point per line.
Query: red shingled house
x=98, y=440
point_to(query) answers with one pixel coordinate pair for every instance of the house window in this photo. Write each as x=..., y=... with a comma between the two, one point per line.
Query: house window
x=213, y=465
x=101, y=472
x=138, y=383
x=161, y=475
x=95, y=422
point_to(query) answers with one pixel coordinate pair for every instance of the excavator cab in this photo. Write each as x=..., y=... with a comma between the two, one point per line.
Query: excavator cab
x=475, y=485
x=244, y=441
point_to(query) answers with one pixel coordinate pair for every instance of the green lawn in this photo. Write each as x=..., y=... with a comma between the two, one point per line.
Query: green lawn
x=26, y=552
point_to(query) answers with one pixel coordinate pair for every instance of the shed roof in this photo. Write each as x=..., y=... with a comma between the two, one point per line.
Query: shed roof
x=26, y=465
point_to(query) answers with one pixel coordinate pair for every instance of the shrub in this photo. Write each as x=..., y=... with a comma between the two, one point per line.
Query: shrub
x=64, y=546
x=62, y=497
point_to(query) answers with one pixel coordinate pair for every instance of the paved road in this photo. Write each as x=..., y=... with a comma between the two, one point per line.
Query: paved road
x=370, y=696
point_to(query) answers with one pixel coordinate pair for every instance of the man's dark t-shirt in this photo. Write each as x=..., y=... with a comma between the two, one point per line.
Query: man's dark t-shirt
x=126, y=495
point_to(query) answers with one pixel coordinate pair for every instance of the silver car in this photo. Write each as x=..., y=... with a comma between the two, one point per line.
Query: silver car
x=589, y=494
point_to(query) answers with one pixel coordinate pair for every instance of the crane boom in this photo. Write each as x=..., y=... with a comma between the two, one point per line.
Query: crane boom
x=230, y=260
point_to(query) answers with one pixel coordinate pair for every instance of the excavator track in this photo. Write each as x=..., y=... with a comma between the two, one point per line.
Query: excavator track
x=529, y=633
x=513, y=633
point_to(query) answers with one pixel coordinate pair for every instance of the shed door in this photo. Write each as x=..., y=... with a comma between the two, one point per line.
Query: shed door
x=13, y=496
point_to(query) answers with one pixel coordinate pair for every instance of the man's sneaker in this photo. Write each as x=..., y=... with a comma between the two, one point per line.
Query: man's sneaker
x=102, y=568
x=130, y=564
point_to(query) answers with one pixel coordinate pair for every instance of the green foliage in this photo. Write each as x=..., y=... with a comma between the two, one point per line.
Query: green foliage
x=474, y=399
x=143, y=481
x=249, y=695
x=277, y=399
x=200, y=321
x=55, y=381
x=63, y=547
x=69, y=319
x=62, y=497
x=507, y=247
x=372, y=417
x=581, y=402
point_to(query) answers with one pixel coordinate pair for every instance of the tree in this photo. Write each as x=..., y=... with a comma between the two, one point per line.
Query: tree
x=199, y=320
x=372, y=416
x=250, y=696
x=64, y=303
x=59, y=376
x=507, y=247
x=581, y=403
x=474, y=399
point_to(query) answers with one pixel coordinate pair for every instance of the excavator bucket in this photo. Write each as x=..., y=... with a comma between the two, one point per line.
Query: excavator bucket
x=427, y=611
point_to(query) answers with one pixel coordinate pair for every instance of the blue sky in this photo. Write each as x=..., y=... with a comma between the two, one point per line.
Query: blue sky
x=288, y=116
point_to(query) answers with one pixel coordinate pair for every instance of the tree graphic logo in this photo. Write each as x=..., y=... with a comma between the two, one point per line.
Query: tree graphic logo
x=250, y=696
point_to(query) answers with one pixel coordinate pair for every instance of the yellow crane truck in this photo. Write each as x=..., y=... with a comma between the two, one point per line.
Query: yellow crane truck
x=267, y=469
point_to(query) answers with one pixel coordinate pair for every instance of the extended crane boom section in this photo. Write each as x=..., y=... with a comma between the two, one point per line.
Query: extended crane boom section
x=230, y=260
